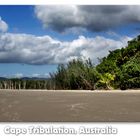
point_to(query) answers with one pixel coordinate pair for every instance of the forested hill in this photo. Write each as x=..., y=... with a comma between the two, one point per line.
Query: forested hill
x=119, y=70
x=124, y=64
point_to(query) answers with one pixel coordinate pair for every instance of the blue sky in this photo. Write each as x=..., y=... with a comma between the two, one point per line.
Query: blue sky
x=21, y=19
x=35, y=39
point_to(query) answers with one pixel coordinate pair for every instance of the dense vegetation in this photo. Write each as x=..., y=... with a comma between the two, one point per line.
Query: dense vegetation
x=119, y=70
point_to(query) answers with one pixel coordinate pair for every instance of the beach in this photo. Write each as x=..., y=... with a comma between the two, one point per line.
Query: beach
x=69, y=106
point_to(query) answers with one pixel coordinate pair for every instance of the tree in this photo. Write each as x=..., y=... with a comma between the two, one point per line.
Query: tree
x=105, y=80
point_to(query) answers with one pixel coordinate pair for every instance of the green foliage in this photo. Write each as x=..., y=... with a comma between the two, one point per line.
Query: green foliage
x=77, y=74
x=108, y=64
x=105, y=81
x=124, y=64
x=130, y=75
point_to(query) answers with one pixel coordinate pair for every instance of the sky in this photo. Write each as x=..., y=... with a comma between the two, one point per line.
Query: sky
x=35, y=39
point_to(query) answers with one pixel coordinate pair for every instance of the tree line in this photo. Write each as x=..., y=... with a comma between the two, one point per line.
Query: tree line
x=24, y=84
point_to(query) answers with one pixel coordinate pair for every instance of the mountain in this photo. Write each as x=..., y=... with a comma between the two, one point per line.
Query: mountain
x=3, y=78
x=33, y=78
x=25, y=78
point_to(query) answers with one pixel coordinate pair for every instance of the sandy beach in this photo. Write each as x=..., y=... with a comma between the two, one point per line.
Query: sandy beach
x=69, y=106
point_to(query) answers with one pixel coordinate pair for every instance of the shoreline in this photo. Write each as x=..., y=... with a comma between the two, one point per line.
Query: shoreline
x=78, y=91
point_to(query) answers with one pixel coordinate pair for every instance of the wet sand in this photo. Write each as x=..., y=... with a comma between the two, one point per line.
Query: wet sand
x=69, y=106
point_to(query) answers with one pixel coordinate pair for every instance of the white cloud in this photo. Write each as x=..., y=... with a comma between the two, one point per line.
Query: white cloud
x=3, y=25
x=35, y=75
x=21, y=75
x=38, y=50
x=90, y=17
x=46, y=75
x=18, y=75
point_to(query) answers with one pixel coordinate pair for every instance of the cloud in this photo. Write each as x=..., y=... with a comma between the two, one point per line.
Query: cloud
x=21, y=75
x=3, y=25
x=18, y=75
x=40, y=50
x=46, y=75
x=93, y=18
